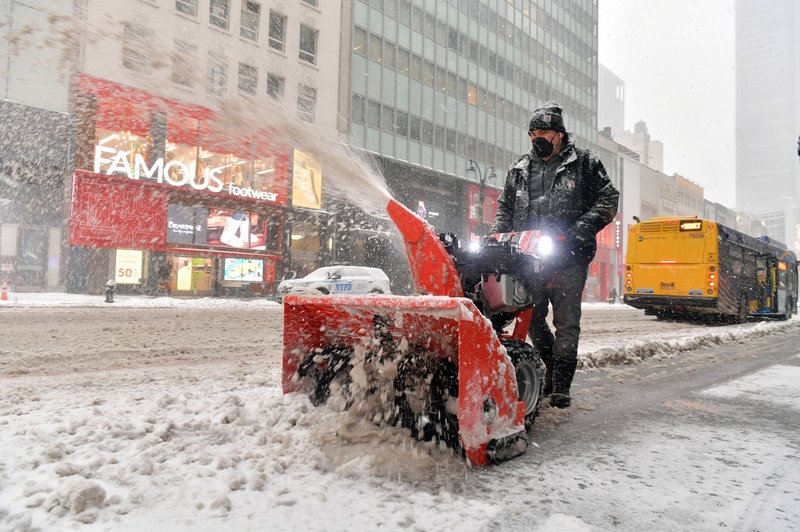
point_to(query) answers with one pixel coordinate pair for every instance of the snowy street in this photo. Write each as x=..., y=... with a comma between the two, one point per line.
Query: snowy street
x=167, y=414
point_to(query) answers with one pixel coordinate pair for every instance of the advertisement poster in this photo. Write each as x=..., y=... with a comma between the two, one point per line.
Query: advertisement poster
x=236, y=229
x=307, y=181
x=129, y=266
x=246, y=270
x=186, y=224
x=183, y=274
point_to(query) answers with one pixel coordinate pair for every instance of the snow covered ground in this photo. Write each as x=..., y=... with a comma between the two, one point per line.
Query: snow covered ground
x=112, y=420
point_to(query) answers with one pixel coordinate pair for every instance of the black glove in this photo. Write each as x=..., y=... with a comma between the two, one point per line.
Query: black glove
x=580, y=235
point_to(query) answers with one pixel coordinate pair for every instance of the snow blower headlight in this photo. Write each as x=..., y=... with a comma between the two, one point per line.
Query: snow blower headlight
x=544, y=247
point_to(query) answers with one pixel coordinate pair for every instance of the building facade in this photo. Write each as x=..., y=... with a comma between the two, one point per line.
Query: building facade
x=651, y=152
x=35, y=146
x=440, y=93
x=178, y=102
x=768, y=114
x=610, y=101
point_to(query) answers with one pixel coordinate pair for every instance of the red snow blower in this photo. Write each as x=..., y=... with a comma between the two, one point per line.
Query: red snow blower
x=438, y=363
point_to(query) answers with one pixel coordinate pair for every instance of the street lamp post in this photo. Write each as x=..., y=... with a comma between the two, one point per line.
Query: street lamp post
x=482, y=229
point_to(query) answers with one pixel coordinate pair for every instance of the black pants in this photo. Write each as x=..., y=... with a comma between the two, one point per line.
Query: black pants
x=563, y=288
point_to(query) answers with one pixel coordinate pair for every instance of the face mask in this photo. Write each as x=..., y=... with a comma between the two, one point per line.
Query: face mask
x=542, y=147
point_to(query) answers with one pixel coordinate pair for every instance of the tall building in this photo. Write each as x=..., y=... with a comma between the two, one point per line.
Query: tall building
x=651, y=152
x=768, y=114
x=34, y=145
x=435, y=84
x=610, y=101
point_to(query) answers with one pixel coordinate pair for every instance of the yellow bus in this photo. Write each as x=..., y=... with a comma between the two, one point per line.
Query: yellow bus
x=694, y=268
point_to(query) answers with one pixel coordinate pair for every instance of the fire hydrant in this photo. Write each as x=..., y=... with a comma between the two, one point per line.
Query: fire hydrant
x=111, y=286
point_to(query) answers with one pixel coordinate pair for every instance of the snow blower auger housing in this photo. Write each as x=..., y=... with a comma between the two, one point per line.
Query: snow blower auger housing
x=437, y=363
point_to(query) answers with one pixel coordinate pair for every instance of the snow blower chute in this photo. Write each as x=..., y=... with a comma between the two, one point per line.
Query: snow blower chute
x=437, y=363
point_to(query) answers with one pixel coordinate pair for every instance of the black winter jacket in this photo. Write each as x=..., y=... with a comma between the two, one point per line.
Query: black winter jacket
x=578, y=202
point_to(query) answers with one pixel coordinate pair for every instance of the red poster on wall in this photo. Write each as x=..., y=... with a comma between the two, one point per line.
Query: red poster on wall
x=110, y=211
x=491, y=195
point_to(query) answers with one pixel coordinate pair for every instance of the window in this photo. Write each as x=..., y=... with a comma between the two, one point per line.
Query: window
x=403, y=11
x=357, y=109
x=314, y=3
x=401, y=124
x=374, y=48
x=428, y=73
x=248, y=78
x=308, y=44
x=184, y=63
x=373, y=114
x=136, y=47
x=439, y=137
x=250, y=14
x=427, y=132
x=387, y=119
x=451, y=141
x=219, y=13
x=217, y=74
x=403, y=61
x=414, y=128
x=360, y=41
x=306, y=102
x=389, y=54
x=275, y=86
x=187, y=7
x=416, y=67
x=277, y=31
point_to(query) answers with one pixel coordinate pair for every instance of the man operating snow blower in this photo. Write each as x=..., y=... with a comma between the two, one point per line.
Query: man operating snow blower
x=564, y=190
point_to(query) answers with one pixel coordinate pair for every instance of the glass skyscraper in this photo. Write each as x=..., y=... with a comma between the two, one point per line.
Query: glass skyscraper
x=768, y=115
x=434, y=84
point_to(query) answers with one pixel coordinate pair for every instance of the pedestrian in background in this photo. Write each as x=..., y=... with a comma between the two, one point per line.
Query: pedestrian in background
x=565, y=191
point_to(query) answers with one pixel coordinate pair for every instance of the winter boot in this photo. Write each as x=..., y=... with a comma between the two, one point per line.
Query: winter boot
x=563, y=372
x=560, y=400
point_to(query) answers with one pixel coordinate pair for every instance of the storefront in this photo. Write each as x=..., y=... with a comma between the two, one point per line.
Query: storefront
x=34, y=159
x=605, y=271
x=439, y=198
x=167, y=200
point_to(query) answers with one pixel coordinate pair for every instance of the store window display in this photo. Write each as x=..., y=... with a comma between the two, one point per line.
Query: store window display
x=129, y=144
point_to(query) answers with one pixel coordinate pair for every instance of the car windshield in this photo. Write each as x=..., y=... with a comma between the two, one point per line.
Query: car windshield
x=323, y=273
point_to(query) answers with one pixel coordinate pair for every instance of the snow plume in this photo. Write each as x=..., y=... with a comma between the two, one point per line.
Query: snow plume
x=349, y=174
x=635, y=352
x=62, y=38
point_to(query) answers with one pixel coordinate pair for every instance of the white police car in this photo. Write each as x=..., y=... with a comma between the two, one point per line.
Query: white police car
x=338, y=280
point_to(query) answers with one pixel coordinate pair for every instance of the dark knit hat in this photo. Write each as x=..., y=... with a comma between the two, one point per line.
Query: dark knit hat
x=548, y=116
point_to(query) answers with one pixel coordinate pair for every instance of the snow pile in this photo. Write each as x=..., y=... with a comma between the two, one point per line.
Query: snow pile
x=131, y=451
x=635, y=351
